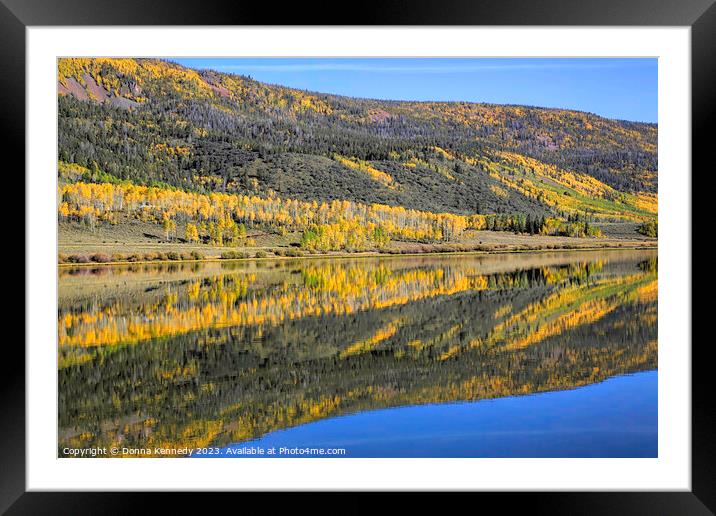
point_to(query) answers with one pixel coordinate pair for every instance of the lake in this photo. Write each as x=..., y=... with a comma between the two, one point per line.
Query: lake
x=550, y=354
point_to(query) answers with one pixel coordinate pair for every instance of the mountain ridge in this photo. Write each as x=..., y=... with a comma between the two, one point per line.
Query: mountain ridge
x=415, y=101
x=150, y=120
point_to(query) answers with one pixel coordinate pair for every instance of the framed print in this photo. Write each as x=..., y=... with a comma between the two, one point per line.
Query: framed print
x=434, y=250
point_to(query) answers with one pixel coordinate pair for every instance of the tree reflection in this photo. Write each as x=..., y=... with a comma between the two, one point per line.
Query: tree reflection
x=209, y=359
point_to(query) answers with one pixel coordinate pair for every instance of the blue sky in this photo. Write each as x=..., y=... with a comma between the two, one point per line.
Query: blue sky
x=624, y=88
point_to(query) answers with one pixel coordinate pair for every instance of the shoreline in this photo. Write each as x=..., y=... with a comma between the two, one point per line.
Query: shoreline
x=368, y=254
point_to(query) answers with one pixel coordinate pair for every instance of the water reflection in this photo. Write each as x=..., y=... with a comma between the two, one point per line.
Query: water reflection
x=211, y=354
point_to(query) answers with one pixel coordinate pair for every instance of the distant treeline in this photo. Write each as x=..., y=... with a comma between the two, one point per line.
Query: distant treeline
x=222, y=219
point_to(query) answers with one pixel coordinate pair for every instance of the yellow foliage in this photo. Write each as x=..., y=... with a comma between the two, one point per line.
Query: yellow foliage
x=499, y=192
x=344, y=223
x=364, y=166
x=382, y=334
x=326, y=289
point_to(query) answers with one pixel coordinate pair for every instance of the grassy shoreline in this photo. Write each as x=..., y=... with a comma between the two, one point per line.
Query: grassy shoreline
x=143, y=243
x=368, y=254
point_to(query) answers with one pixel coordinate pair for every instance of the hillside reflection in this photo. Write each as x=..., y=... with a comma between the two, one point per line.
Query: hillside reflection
x=198, y=355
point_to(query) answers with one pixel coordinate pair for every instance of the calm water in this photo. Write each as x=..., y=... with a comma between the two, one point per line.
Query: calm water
x=549, y=354
x=614, y=418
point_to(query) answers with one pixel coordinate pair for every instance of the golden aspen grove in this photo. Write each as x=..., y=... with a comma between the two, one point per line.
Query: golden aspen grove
x=217, y=217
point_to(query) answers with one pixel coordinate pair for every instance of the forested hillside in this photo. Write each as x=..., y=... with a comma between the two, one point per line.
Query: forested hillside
x=154, y=123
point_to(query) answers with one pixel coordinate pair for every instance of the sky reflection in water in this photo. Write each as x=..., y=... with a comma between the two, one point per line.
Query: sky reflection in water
x=615, y=418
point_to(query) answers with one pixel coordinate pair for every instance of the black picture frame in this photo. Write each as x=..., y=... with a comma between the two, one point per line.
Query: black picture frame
x=700, y=15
